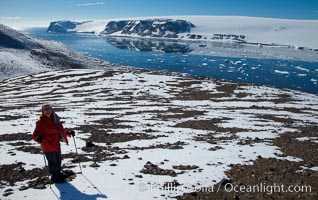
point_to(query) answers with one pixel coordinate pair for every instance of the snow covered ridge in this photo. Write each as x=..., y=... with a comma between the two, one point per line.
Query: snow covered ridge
x=21, y=54
x=14, y=39
x=150, y=129
x=249, y=30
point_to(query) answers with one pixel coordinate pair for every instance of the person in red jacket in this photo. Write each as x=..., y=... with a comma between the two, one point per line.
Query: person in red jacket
x=49, y=131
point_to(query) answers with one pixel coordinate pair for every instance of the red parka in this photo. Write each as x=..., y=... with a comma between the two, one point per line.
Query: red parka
x=52, y=132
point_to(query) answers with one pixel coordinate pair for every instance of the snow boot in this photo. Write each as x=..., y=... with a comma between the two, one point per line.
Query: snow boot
x=57, y=178
x=67, y=173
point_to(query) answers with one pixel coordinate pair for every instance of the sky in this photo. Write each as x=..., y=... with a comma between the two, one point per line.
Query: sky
x=39, y=13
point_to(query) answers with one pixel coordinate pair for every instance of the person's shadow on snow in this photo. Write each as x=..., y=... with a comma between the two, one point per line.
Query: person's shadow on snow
x=68, y=192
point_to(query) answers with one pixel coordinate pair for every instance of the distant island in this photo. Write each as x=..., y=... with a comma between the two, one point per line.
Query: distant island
x=298, y=34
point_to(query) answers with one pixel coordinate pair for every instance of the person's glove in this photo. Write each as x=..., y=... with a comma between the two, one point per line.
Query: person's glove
x=71, y=133
x=39, y=138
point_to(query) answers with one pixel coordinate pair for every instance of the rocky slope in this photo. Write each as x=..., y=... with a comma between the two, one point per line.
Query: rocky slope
x=158, y=135
x=20, y=54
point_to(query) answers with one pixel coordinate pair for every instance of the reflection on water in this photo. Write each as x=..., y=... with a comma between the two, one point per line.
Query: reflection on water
x=282, y=67
x=149, y=45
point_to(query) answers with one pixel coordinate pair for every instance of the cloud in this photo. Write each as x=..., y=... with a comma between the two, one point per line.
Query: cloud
x=92, y=4
x=11, y=17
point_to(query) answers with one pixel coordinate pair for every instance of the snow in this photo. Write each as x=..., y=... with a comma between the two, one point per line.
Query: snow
x=261, y=30
x=94, y=26
x=296, y=33
x=312, y=168
x=19, y=62
x=303, y=168
x=313, y=139
x=281, y=72
x=22, y=101
x=302, y=68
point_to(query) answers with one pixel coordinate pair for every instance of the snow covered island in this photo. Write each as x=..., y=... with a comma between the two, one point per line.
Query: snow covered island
x=250, y=30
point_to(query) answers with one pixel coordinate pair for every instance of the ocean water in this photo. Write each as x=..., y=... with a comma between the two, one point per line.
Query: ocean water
x=194, y=59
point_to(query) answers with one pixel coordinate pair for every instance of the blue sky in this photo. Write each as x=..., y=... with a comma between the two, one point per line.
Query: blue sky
x=28, y=13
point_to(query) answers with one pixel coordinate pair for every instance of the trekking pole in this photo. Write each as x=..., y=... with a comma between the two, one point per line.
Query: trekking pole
x=79, y=163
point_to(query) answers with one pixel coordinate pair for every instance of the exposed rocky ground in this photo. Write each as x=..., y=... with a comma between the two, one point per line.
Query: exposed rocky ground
x=172, y=131
x=272, y=173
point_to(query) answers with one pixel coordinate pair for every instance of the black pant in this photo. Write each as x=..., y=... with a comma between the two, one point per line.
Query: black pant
x=55, y=161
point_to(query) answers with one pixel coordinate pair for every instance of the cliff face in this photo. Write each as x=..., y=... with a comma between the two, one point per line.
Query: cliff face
x=166, y=28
